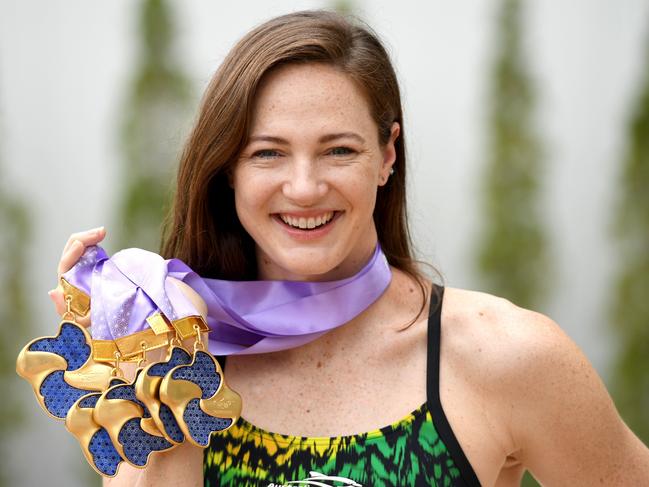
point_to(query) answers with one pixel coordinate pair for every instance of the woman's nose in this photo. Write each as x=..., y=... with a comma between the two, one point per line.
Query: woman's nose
x=304, y=184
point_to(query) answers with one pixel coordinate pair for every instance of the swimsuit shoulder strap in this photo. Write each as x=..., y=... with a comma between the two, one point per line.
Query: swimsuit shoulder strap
x=432, y=388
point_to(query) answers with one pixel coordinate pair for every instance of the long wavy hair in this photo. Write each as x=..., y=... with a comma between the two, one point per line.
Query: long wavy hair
x=202, y=227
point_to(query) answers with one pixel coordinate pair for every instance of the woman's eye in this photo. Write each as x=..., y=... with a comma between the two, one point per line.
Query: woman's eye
x=342, y=151
x=265, y=154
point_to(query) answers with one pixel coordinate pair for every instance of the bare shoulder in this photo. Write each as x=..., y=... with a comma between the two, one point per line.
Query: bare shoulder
x=512, y=351
x=499, y=335
x=545, y=393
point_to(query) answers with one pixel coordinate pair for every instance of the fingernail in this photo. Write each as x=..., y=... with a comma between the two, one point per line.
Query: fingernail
x=97, y=230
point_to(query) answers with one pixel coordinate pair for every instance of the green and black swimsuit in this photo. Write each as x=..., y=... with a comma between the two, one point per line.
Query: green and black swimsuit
x=418, y=450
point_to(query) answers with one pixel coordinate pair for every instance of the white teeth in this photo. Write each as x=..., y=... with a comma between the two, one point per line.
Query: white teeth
x=310, y=222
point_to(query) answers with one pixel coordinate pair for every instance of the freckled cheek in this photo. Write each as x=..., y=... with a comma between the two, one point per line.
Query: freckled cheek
x=252, y=193
x=365, y=185
x=360, y=187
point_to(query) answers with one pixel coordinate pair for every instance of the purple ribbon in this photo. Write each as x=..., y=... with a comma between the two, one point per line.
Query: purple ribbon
x=244, y=316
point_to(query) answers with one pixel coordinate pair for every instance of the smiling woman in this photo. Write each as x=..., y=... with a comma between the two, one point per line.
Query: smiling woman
x=296, y=171
x=249, y=121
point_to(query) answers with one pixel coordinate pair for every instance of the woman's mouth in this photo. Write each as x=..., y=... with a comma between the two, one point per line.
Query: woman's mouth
x=307, y=227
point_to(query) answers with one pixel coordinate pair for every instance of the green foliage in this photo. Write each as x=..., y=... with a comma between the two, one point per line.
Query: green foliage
x=629, y=310
x=157, y=111
x=15, y=314
x=512, y=256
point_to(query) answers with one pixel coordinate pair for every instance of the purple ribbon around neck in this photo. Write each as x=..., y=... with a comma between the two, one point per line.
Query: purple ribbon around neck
x=244, y=317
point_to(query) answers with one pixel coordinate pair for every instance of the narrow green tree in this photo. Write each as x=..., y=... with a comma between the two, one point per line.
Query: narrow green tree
x=511, y=255
x=629, y=309
x=157, y=112
x=15, y=314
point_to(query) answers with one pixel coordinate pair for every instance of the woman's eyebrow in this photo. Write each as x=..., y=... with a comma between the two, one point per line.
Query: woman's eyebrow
x=323, y=139
x=341, y=135
x=267, y=138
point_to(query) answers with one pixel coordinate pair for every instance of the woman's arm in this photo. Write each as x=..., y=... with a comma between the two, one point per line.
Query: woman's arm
x=563, y=418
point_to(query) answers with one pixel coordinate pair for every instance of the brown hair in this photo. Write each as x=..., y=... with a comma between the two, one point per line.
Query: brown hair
x=202, y=228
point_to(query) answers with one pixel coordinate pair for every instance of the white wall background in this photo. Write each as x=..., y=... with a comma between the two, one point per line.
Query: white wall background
x=64, y=65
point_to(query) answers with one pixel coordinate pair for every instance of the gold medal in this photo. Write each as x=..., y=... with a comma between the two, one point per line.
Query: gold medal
x=147, y=388
x=129, y=425
x=94, y=440
x=61, y=368
x=198, y=396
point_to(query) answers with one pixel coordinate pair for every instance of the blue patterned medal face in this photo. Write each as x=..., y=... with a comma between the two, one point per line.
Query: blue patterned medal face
x=94, y=440
x=147, y=388
x=60, y=369
x=129, y=424
x=199, y=398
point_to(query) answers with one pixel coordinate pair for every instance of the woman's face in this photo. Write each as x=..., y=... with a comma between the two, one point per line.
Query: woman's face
x=305, y=183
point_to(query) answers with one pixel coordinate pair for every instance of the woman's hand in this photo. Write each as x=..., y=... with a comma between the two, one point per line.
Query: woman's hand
x=72, y=252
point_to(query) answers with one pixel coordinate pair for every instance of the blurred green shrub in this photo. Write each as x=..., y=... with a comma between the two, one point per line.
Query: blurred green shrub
x=512, y=250
x=629, y=307
x=157, y=112
x=15, y=311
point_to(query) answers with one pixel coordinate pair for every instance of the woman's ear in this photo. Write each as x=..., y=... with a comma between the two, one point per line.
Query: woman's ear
x=389, y=154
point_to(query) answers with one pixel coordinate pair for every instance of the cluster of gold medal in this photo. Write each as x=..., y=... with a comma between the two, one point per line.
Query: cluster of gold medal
x=182, y=397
